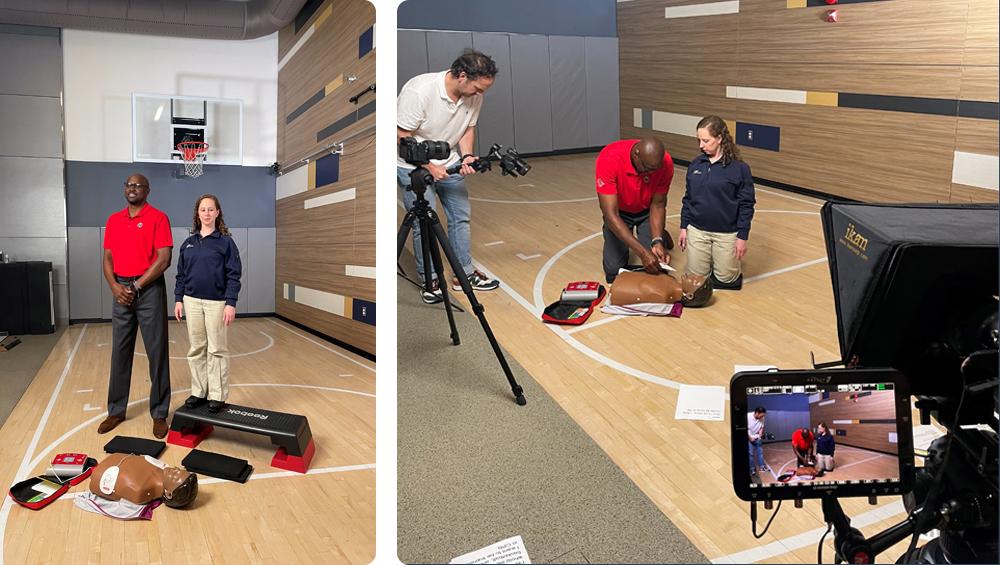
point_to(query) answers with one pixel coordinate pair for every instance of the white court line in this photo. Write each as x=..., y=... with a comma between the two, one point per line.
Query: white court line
x=492, y=243
x=22, y=471
x=575, y=344
x=85, y=390
x=811, y=537
x=785, y=270
x=270, y=344
x=88, y=408
x=533, y=201
x=38, y=459
x=594, y=324
x=278, y=474
x=319, y=471
x=524, y=257
x=26, y=465
x=811, y=203
x=803, y=212
x=346, y=375
x=331, y=350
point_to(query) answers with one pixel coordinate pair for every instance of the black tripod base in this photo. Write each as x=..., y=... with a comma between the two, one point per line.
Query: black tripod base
x=433, y=241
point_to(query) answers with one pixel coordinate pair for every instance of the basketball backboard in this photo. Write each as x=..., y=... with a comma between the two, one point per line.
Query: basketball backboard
x=160, y=122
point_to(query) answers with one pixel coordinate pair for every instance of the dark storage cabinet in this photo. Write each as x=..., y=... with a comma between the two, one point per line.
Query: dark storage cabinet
x=26, y=298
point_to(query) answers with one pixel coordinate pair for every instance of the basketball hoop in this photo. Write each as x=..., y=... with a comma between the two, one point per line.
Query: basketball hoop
x=193, y=153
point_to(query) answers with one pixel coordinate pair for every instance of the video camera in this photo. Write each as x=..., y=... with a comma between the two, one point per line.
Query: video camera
x=915, y=289
x=510, y=162
x=421, y=152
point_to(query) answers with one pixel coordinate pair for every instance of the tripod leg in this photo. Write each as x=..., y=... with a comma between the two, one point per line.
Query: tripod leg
x=429, y=235
x=403, y=233
x=478, y=309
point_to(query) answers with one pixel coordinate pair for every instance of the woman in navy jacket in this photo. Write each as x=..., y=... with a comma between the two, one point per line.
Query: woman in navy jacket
x=717, y=207
x=208, y=284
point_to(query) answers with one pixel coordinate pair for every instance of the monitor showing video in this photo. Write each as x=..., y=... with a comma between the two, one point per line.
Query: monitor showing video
x=796, y=436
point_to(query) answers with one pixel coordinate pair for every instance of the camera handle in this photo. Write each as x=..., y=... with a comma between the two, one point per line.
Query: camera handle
x=851, y=545
x=458, y=166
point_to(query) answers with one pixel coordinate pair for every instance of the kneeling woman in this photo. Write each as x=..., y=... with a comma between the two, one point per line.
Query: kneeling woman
x=208, y=283
x=717, y=207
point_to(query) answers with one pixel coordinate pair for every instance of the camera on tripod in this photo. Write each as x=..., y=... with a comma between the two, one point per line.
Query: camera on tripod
x=421, y=152
x=904, y=329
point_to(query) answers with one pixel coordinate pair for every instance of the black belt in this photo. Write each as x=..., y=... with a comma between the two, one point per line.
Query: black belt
x=120, y=278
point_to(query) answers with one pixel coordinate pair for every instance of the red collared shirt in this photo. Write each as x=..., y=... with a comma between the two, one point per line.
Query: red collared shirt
x=616, y=175
x=133, y=241
x=802, y=442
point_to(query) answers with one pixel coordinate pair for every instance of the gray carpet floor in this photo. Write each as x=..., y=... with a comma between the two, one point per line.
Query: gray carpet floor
x=19, y=365
x=474, y=468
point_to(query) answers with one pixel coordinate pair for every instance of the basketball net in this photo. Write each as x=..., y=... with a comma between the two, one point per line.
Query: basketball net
x=193, y=153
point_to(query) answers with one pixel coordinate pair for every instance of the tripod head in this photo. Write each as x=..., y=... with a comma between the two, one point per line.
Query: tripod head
x=418, y=154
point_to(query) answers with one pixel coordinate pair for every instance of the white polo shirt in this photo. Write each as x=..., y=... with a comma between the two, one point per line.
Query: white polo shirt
x=424, y=107
x=755, y=427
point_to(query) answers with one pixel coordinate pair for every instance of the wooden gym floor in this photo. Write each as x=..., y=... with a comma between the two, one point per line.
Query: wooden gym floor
x=325, y=516
x=619, y=377
x=851, y=463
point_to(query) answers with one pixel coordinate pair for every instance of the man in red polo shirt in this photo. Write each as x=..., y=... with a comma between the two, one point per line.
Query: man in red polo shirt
x=804, y=447
x=633, y=177
x=137, y=246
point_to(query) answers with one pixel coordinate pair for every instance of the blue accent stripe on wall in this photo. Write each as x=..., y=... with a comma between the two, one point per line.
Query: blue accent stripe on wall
x=975, y=109
x=347, y=120
x=822, y=3
x=94, y=190
x=366, y=42
x=544, y=17
x=306, y=105
x=937, y=106
x=364, y=311
x=327, y=170
x=758, y=136
x=306, y=12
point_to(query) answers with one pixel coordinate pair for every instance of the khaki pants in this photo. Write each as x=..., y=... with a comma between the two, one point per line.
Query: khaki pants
x=709, y=252
x=824, y=462
x=209, y=353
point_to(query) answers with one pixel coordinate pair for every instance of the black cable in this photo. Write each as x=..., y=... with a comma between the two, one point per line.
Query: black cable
x=819, y=549
x=753, y=521
x=936, y=488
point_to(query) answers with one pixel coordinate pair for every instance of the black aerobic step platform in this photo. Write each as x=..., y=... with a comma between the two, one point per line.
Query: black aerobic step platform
x=290, y=432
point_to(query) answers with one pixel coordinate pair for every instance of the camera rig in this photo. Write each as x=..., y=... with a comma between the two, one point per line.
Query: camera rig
x=423, y=221
x=916, y=289
x=510, y=162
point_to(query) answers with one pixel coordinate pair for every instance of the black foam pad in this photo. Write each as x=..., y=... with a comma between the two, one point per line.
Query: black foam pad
x=217, y=465
x=136, y=445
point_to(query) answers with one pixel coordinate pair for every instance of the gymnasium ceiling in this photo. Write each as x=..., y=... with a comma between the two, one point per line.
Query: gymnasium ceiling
x=205, y=19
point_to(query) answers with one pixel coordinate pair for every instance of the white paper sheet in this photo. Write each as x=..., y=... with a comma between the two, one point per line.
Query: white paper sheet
x=747, y=368
x=696, y=402
x=510, y=550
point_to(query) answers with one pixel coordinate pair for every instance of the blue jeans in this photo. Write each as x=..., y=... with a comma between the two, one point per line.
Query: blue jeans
x=454, y=198
x=756, y=449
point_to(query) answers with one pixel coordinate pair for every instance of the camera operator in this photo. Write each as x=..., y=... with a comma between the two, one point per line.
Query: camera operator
x=633, y=178
x=444, y=106
x=755, y=433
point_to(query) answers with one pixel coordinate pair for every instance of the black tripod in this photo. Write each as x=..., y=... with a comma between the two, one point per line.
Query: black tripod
x=431, y=237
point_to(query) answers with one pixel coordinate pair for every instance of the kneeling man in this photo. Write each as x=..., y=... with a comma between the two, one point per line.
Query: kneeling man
x=633, y=178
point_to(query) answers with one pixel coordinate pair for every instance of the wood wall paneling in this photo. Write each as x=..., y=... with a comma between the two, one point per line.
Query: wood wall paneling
x=941, y=50
x=939, y=26
x=358, y=334
x=877, y=406
x=314, y=246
